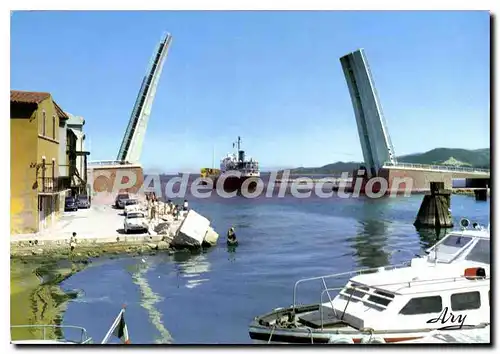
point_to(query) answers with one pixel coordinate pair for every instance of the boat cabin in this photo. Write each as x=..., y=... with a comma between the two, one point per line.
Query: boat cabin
x=414, y=302
x=233, y=162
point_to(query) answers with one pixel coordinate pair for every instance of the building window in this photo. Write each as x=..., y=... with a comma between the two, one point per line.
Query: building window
x=44, y=122
x=54, y=121
x=465, y=301
x=422, y=305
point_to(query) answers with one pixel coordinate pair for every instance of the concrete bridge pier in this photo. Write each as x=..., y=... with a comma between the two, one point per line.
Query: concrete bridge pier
x=105, y=181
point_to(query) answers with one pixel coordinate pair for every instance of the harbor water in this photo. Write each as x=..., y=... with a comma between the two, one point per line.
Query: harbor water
x=211, y=297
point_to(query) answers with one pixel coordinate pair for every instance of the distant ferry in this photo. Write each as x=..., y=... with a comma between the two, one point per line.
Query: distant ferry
x=231, y=163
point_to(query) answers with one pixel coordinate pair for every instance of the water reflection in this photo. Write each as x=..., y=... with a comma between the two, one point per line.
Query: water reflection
x=370, y=243
x=38, y=300
x=148, y=300
x=231, y=250
x=372, y=233
x=191, y=266
x=429, y=237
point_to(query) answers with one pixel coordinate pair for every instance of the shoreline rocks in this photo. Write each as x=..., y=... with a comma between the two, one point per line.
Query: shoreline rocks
x=86, y=252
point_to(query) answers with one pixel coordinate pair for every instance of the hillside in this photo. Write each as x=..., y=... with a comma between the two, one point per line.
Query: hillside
x=479, y=158
x=330, y=169
x=459, y=157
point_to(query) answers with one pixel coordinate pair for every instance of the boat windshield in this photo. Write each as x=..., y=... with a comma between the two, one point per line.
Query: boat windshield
x=449, y=247
x=480, y=252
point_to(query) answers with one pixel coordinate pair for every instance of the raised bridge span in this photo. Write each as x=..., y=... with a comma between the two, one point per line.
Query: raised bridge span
x=378, y=152
x=102, y=174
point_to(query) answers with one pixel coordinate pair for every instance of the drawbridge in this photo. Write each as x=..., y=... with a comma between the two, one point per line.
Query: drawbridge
x=378, y=151
x=132, y=142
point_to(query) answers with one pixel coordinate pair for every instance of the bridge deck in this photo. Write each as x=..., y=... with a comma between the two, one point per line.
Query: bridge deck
x=111, y=163
x=479, y=172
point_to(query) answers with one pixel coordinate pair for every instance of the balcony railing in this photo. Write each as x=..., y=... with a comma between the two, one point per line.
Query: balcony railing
x=53, y=185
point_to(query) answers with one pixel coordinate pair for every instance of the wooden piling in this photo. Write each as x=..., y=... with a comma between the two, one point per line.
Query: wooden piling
x=434, y=211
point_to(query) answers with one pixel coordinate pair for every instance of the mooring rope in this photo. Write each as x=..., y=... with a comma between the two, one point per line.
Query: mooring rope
x=271, y=334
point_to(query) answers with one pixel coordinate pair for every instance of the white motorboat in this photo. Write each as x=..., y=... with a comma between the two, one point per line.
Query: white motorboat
x=448, y=289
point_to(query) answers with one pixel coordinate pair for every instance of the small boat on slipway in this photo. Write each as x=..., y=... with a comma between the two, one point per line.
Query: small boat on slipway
x=447, y=291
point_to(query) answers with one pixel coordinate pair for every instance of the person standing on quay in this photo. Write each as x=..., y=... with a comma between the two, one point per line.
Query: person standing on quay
x=177, y=212
x=148, y=205
x=152, y=209
x=156, y=207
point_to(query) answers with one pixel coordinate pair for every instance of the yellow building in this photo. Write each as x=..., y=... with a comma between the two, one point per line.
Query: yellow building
x=37, y=190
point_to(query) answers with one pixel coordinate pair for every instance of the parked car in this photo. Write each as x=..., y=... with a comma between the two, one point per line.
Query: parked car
x=131, y=205
x=70, y=204
x=135, y=221
x=120, y=200
x=83, y=201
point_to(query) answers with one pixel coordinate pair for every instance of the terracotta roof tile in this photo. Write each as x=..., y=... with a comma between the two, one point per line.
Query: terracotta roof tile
x=35, y=97
x=60, y=112
x=28, y=97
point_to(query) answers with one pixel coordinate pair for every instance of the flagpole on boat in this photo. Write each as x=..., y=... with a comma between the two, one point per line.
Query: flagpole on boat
x=113, y=326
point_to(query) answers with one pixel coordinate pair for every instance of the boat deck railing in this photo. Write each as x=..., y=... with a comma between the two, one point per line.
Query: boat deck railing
x=84, y=338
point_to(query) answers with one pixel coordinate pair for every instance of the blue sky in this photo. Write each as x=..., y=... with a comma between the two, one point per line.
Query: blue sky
x=274, y=78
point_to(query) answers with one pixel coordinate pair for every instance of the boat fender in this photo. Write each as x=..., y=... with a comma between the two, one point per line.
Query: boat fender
x=340, y=340
x=372, y=340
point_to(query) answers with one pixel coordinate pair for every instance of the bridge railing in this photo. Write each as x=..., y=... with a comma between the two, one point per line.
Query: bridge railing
x=437, y=167
x=108, y=163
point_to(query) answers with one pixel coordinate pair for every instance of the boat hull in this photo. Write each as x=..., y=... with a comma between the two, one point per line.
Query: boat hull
x=231, y=183
x=304, y=336
x=263, y=329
